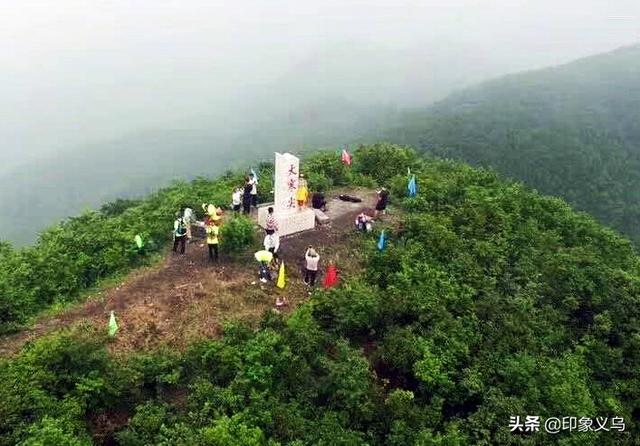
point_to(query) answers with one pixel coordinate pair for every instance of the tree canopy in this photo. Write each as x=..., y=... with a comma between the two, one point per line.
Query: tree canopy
x=489, y=301
x=571, y=131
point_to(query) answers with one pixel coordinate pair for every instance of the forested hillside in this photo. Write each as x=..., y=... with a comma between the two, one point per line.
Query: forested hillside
x=571, y=131
x=40, y=193
x=489, y=301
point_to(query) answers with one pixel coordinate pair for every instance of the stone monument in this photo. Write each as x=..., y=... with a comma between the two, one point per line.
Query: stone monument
x=291, y=218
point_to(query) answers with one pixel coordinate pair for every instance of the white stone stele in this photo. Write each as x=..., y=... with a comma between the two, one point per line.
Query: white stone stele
x=289, y=222
x=291, y=219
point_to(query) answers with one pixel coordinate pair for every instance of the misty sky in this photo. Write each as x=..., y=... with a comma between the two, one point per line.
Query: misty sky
x=75, y=72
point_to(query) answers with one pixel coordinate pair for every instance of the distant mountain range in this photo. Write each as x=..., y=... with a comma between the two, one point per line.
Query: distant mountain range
x=572, y=131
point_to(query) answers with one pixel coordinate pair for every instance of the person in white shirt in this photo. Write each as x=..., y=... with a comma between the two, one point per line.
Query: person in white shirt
x=272, y=244
x=236, y=199
x=189, y=219
x=311, y=266
x=254, y=190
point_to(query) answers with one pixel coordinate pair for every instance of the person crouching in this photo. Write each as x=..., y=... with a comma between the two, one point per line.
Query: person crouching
x=364, y=222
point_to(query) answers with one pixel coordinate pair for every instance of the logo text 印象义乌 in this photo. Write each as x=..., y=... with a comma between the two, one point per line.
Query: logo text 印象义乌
x=555, y=425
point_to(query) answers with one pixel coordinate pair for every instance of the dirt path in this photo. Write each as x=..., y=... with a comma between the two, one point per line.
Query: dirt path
x=187, y=298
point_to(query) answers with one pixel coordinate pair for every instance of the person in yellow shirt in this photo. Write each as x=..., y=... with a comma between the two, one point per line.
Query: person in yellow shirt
x=303, y=192
x=212, y=237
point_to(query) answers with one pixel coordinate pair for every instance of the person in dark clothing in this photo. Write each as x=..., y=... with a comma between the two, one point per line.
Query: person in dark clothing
x=383, y=200
x=350, y=198
x=318, y=201
x=246, y=196
x=264, y=272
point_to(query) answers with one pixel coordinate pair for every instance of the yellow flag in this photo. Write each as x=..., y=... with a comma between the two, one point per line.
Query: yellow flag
x=280, y=283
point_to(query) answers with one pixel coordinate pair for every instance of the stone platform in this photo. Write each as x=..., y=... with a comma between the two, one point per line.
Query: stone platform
x=289, y=222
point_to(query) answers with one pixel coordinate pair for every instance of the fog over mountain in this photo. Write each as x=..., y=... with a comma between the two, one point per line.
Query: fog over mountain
x=114, y=98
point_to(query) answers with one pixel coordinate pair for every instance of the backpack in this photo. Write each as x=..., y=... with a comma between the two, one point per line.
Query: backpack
x=181, y=229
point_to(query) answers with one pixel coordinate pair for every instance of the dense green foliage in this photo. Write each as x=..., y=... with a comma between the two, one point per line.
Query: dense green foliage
x=571, y=131
x=489, y=301
x=74, y=255
x=237, y=234
x=138, y=164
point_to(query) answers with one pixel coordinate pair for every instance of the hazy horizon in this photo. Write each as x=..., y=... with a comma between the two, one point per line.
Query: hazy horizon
x=77, y=73
x=115, y=98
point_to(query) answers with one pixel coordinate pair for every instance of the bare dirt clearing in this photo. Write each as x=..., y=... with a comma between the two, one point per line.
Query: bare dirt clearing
x=186, y=298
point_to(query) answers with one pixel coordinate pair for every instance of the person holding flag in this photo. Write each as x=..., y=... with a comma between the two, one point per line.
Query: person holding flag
x=253, y=181
x=247, y=196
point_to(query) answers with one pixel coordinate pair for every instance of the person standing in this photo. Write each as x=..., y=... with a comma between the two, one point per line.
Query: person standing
x=311, y=266
x=236, y=199
x=179, y=233
x=246, y=196
x=189, y=220
x=212, y=237
x=254, y=190
x=302, y=194
x=272, y=244
x=383, y=200
x=271, y=225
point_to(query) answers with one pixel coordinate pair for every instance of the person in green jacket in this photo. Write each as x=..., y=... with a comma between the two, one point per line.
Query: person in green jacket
x=179, y=233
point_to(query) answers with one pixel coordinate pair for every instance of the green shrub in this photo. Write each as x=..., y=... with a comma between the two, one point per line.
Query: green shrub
x=237, y=234
x=328, y=168
x=384, y=161
x=317, y=181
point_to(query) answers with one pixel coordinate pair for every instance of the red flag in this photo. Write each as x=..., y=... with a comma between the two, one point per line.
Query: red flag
x=346, y=158
x=331, y=278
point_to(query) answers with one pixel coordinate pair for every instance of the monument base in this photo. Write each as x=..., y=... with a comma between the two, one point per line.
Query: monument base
x=289, y=222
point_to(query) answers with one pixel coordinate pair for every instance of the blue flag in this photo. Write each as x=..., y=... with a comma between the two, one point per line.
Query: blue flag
x=381, y=241
x=255, y=175
x=411, y=187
